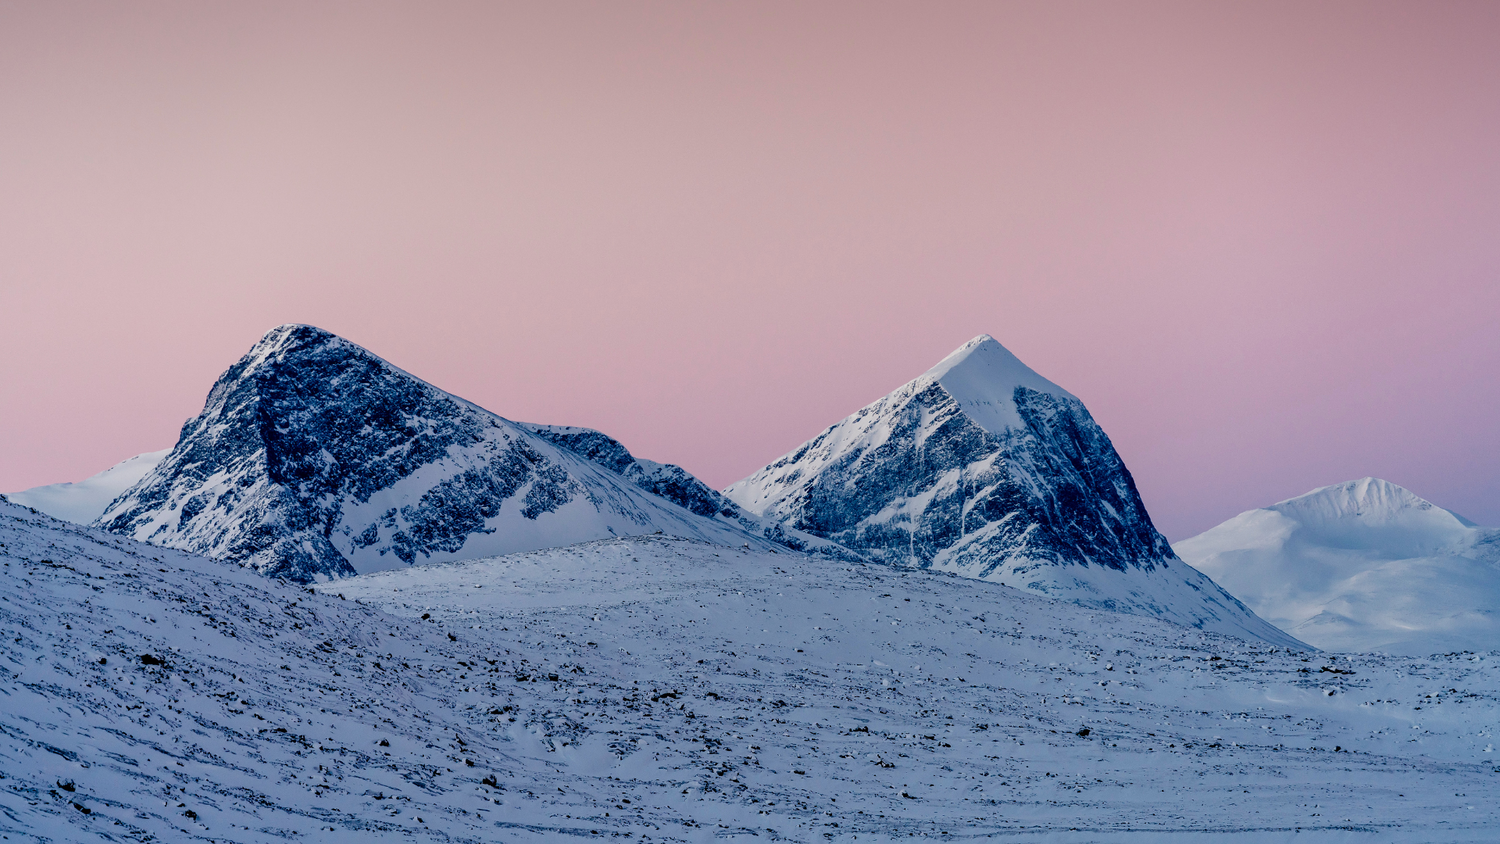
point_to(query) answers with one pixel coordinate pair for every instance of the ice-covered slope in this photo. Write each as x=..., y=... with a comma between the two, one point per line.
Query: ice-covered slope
x=86, y=500
x=984, y=468
x=1361, y=566
x=654, y=688
x=313, y=458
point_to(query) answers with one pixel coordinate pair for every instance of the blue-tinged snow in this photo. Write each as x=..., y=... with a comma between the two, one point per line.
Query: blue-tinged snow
x=664, y=689
x=1364, y=565
x=678, y=486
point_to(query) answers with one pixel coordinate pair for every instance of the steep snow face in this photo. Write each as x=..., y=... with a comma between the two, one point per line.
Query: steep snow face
x=315, y=459
x=1361, y=566
x=84, y=501
x=984, y=468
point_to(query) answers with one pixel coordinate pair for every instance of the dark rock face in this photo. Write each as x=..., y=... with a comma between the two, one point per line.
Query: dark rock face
x=589, y=444
x=1054, y=493
x=314, y=459
x=671, y=482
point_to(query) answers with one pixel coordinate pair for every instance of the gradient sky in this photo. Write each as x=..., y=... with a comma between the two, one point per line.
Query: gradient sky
x=1261, y=241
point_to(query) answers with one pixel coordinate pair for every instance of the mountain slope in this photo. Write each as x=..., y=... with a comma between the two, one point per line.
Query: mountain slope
x=1361, y=566
x=86, y=500
x=313, y=458
x=662, y=688
x=984, y=468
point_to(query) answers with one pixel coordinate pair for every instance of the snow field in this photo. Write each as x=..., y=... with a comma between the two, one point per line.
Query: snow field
x=810, y=698
x=660, y=689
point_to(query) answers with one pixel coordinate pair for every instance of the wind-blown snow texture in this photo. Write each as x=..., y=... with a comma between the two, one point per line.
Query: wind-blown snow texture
x=315, y=459
x=984, y=468
x=86, y=500
x=1361, y=566
x=661, y=689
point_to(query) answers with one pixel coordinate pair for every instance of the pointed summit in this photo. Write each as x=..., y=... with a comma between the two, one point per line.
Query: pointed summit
x=982, y=467
x=982, y=377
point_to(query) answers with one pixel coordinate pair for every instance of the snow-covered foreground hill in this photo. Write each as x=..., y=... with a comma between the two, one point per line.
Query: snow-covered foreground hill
x=1361, y=566
x=660, y=689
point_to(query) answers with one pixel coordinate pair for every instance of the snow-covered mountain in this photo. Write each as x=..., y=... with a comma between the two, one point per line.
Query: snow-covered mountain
x=85, y=501
x=313, y=459
x=984, y=468
x=663, y=689
x=1361, y=566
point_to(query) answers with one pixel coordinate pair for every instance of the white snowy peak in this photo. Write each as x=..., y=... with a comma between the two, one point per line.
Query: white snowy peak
x=982, y=377
x=1371, y=502
x=1360, y=566
x=979, y=380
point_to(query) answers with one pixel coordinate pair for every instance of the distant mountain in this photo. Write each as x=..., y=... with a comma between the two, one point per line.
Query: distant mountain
x=983, y=468
x=1361, y=566
x=315, y=459
x=84, y=501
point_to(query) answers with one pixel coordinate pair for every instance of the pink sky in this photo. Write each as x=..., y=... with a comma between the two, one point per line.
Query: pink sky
x=1260, y=241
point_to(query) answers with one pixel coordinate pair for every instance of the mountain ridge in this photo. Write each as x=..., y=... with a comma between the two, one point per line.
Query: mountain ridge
x=314, y=458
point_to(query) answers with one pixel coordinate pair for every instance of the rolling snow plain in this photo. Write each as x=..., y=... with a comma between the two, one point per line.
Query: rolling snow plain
x=663, y=689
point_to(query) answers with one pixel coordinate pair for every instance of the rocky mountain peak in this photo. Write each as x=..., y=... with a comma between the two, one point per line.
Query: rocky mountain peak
x=982, y=467
x=314, y=458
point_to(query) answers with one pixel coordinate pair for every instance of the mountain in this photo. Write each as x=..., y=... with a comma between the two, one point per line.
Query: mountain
x=315, y=459
x=1361, y=566
x=86, y=500
x=983, y=468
